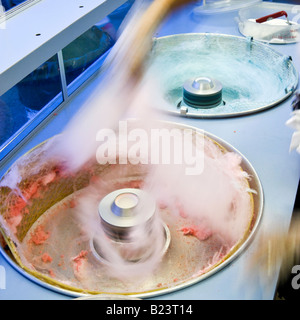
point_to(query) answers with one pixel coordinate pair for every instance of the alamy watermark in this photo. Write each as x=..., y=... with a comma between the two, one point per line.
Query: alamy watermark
x=296, y=279
x=2, y=278
x=155, y=146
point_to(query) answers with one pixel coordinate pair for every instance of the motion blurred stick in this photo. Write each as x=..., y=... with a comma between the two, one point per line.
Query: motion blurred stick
x=277, y=248
x=146, y=26
x=122, y=89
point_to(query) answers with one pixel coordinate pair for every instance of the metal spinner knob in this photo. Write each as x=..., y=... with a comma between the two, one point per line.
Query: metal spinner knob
x=124, y=209
x=202, y=92
x=121, y=213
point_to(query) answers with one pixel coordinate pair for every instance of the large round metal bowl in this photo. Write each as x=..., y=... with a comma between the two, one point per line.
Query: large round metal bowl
x=32, y=167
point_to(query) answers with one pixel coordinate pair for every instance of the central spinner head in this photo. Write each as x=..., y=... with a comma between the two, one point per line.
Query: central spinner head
x=124, y=209
x=202, y=92
x=129, y=220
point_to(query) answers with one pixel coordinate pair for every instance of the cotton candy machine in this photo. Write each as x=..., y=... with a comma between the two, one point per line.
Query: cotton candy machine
x=217, y=76
x=128, y=229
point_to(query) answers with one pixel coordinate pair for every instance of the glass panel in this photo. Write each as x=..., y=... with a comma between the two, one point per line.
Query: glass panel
x=40, y=86
x=29, y=102
x=285, y=1
x=16, y=5
x=20, y=105
x=8, y=4
x=84, y=51
x=90, y=47
x=116, y=17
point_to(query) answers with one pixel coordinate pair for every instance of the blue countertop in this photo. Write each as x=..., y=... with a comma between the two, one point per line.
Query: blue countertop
x=263, y=138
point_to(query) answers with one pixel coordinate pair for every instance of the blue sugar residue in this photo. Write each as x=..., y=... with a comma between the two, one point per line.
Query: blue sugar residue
x=254, y=77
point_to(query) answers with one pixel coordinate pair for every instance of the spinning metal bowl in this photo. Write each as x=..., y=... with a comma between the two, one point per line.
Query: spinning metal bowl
x=58, y=197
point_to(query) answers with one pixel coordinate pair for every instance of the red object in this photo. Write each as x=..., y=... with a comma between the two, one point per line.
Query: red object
x=46, y=258
x=198, y=232
x=272, y=16
x=39, y=236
